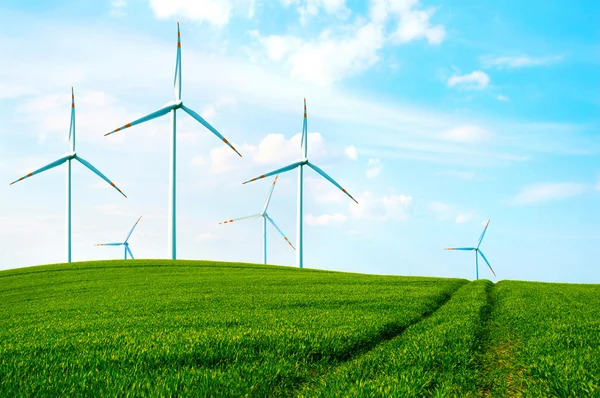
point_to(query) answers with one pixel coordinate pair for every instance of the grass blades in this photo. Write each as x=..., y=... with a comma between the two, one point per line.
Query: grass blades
x=157, y=327
x=435, y=357
x=544, y=340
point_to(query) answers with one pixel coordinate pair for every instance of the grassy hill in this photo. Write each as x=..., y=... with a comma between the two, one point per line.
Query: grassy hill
x=158, y=327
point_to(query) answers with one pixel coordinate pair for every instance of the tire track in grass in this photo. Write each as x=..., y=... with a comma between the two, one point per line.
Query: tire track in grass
x=436, y=356
x=389, y=333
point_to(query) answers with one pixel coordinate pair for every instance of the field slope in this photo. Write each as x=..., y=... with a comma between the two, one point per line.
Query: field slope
x=158, y=327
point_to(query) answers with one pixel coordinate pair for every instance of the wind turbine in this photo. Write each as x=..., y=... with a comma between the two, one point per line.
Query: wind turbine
x=71, y=155
x=300, y=164
x=477, y=252
x=265, y=217
x=171, y=108
x=125, y=243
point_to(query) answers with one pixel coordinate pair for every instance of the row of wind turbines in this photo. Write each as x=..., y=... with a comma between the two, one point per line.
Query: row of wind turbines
x=171, y=108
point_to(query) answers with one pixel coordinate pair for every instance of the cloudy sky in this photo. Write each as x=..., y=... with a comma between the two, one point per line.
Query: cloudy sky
x=437, y=115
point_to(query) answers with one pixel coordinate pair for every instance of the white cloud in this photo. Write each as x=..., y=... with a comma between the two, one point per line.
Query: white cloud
x=539, y=193
x=340, y=53
x=351, y=152
x=463, y=217
x=215, y=12
x=501, y=97
x=447, y=212
x=326, y=219
x=375, y=168
x=476, y=80
x=274, y=149
x=370, y=207
x=519, y=62
x=412, y=23
x=310, y=8
x=118, y=8
x=198, y=161
x=467, y=134
x=210, y=111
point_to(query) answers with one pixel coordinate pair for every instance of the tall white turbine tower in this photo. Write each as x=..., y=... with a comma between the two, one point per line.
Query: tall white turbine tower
x=300, y=164
x=171, y=108
x=71, y=155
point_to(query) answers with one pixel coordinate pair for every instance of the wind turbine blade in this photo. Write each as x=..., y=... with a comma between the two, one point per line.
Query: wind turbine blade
x=153, y=115
x=132, y=228
x=331, y=180
x=483, y=234
x=130, y=253
x=486, y=261
x=279, y=230
x=109, y=244
x=460, y=248
x=240, y=219
x=98, y=173
x=270, y=193
x=47, y=167
x=72, y=126
x=208, y=126
x=177, y=80
x=278, y=171
x=304, y=140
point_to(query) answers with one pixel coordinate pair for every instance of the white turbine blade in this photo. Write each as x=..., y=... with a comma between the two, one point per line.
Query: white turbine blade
x=483, y=234
x=280, y=231
x=130, y=253
x=109, y=244
x=199, y=118
x=162, y=111
x=460, y=248
x=240, y=219
x=177, y=80
x=270, y=193
x=487, y=262
x=331, y=180
x=278, y=171
x=47, y=167
x=98, y=173
x=132, y=228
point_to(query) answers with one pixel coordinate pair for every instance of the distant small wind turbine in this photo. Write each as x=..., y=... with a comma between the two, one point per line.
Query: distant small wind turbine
x=125, y=243
x=265, y=217
x=67, y=158
x=477, y=252
x=171, y=108
x=300, y=164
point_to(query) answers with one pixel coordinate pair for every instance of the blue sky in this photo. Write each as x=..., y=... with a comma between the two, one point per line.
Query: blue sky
x=435, y=115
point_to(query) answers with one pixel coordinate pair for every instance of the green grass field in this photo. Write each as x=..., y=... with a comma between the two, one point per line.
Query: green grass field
x=157, y=327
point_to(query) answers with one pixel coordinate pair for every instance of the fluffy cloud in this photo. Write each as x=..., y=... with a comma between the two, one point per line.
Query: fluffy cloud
x=274, y=149
x=448, y=212
x=375, y=168
x=332, y=57
x=519, y=62
x=371, y=207
x=351, y=152
x=476, y=80
x=215, y=12
x=467, y=134
x=308, y=8
x=501, y=97
x=539, y=193
x=118, y=8
x=326, y=219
